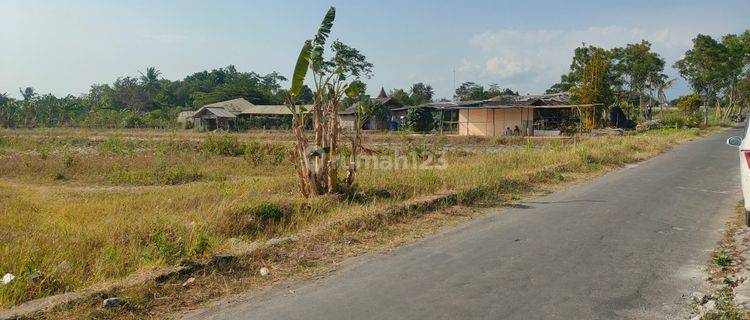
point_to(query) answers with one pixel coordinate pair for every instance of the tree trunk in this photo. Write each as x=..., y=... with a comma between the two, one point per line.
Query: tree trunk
x=356, y=142
x=705, y=111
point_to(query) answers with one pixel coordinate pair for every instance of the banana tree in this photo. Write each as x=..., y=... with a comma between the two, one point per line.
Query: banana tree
x=362, y=113
x=316, y=127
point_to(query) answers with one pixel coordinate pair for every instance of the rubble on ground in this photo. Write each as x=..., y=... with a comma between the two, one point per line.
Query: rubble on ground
x=607, y=132
x=649, y=125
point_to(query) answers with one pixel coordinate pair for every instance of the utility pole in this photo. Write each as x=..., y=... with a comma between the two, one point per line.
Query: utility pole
x=454, y=80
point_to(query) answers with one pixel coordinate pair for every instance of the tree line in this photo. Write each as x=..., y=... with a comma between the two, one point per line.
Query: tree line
x=147, y=100
x=632, y=77
x=629, y=77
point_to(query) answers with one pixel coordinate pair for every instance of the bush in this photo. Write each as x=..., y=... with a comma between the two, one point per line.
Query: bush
x=265, y=218
x=134, y=121
x=419, y=119
x=649, y=125
x=224, y=145
x=116, y=146
x=569, y=127
x=267, y=123
x=259, y=153
x=673, y=120
x=689, y=105
x=166, y=247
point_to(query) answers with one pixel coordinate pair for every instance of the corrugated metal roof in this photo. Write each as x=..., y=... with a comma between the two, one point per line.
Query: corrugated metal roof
x=375, y=101
x=241, y=106
x=235, y=106
x=220, y=112
x=267, y=109
x=554, y=99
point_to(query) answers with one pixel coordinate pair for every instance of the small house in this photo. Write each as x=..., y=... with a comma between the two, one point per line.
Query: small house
x=381, y=119
x=239, y=114
x=214, y=118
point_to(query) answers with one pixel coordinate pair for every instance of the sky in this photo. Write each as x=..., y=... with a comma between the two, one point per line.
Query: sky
x=62, y=47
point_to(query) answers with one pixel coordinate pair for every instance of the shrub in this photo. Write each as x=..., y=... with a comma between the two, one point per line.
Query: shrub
x=259, y=153
x=689, y=105
x=649, y=125
x=419, y=119
x=673, y=120
x=165, y=247
x=43, y=151
x=179, y=175
x=115, y=146
x=134, y=121
x=201, y=243
x=223, y=145
x=569, y=127
x=69, y=160
x=265, y=218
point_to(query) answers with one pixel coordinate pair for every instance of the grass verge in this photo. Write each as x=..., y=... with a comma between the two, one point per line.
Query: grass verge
x=725, y=273
x=74, y=239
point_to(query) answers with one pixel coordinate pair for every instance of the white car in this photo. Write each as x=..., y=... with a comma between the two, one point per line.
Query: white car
x=744, y=146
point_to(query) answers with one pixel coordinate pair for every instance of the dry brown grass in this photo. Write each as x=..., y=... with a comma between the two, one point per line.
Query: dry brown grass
x=89, y=227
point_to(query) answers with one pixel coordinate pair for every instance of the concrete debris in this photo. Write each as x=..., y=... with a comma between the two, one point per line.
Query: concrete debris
x=7, y=278
x=264, y=272
x=649, y=125
x=280, y=241
x=112, y=302
x=699, y=297
x=188, y=282
x=607, y=132
x=709, y=307
x=34, y=278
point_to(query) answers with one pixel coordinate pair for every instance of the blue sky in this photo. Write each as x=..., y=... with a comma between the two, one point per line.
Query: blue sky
x=64, y=46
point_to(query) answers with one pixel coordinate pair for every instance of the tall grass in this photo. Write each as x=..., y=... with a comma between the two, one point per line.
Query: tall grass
x=73, y=237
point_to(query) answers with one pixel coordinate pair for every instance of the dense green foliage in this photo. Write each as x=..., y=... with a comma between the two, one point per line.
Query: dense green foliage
x=632, y=78
x=468, y=91
x=418, y=94
x=719, y=71
x=631, y=75
x=419, y=119
x=145, y=101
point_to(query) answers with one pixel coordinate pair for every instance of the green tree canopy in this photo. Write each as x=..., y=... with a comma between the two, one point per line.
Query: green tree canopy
x=421, y=93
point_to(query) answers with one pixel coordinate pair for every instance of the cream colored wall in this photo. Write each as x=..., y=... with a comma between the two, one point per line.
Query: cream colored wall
x=508, y=118
x=491, y=122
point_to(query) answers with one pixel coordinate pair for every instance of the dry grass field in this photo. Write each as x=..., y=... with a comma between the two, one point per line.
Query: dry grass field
x=78, y=207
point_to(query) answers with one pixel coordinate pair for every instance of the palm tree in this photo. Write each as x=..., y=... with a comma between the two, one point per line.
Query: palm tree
x=28, y=93
x=151, y=78
x=661, y=96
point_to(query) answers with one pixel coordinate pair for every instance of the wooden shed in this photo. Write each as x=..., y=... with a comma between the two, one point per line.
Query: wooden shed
x=212, y=118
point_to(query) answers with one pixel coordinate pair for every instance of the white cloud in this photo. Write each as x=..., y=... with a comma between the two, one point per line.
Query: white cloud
x=532, y=60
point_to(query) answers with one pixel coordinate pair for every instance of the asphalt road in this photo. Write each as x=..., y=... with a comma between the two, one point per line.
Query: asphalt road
x=630, y=244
